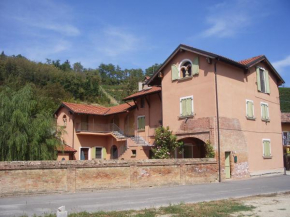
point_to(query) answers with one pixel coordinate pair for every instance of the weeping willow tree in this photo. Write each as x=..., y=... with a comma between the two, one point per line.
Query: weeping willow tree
x=27, y=131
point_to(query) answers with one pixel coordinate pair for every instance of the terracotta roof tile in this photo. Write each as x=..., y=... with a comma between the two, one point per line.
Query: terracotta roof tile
x=119, y=108
x=153, y=89
x=66, y=148
x=285, y=117
x=97, y=110
x=248, y=61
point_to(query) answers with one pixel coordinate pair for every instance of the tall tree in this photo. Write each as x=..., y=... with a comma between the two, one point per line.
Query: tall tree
x=150, y=70
x=78, y=67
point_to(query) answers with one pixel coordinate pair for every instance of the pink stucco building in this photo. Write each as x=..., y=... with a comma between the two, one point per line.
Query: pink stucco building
x=202, y=97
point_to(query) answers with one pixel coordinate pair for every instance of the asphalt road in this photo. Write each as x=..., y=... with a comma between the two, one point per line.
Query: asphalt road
x=123, y=199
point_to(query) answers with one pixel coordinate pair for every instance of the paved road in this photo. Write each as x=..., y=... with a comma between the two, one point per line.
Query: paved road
x=141, y=198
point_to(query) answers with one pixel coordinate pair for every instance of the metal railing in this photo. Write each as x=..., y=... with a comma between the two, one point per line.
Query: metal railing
x=98, y=128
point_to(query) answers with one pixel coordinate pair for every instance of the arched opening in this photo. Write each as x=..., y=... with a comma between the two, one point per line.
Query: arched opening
x=193, y=148
x=114, y=152
x=185, y=68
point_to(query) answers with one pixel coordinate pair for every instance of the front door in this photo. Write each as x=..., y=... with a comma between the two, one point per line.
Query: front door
x=84, y=153
x=228, y=165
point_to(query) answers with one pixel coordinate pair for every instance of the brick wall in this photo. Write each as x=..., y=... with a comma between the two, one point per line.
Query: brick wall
x=34, y=177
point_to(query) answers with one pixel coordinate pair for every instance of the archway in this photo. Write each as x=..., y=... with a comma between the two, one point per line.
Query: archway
x=114, y=152
x=193, y=148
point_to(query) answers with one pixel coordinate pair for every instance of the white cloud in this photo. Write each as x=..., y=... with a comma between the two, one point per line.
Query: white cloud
x=116, y=41
x=229, y=18
x=281, y=64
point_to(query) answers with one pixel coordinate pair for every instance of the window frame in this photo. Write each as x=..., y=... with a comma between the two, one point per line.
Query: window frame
x=262, y=69
x=267, y=157
x=287, y=139
x=268, y=111
x=180, y=106
x=250, y=118
x=138, y=123
x=101, y=152
x=89, y=152
x=179, y=68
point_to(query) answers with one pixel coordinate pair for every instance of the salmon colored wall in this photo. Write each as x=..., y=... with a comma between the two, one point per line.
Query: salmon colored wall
x=68, y=129
x=201, y=87
x=62, y=155
x=234, y=87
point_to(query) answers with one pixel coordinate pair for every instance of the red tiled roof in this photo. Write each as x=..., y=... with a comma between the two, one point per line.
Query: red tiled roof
x=285, y=117
x=248, y=61
x=97, y=110
x=119, y=108
x=153, y=89
x=66, y=148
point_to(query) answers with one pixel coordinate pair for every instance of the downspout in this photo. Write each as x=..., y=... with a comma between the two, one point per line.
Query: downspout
x=218, y=122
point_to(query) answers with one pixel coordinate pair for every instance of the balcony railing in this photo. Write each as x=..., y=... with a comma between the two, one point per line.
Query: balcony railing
x=98, y=128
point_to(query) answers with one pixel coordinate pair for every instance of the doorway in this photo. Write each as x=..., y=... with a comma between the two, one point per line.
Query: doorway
x=84, y=154
x=228, y=164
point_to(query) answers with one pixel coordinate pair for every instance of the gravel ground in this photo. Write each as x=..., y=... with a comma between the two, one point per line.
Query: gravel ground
x=273, y=205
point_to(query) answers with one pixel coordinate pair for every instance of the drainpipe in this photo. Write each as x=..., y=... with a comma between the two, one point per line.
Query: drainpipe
x=218, y=122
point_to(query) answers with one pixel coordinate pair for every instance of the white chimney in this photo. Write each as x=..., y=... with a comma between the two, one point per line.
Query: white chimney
x=140, y=85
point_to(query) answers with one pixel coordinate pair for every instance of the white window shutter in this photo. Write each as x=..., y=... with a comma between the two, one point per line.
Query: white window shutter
x=267, y=82
x=174, y=72
x=195, y=66
x=258, y=79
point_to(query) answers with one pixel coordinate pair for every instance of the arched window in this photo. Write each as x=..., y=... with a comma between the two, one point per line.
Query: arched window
x=185, y=68
x=114, y=152
x=64, y=120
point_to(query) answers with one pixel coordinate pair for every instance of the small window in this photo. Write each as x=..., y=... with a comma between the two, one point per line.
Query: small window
x=64, y=119
x=98, y=153
x=142, y=103
x=141, y=123
x=263, y=80
x=266, y=148
x=265, y=112
x=186, y=106
x=286, y=138
x=185, y=69
x=250, y=109
x=134, y=153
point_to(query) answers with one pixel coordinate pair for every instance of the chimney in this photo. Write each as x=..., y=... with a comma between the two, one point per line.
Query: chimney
x=140, y=86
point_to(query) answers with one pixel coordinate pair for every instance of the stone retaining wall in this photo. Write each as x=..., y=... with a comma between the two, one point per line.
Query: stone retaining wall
x=34, y=177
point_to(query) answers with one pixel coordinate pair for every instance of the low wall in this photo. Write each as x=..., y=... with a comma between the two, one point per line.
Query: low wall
x=33, y=177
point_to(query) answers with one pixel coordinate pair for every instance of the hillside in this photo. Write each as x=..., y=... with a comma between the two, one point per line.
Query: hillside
x=284, y=99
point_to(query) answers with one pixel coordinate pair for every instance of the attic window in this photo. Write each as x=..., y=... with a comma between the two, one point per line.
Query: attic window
x=185, y=69
x=64, y=120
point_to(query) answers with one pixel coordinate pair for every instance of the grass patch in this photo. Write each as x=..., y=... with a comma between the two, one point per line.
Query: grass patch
x=222, y=208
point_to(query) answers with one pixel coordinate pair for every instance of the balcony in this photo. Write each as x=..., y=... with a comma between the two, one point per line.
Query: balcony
x=100, y=129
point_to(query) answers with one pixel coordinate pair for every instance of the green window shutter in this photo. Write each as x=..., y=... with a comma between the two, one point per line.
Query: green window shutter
x=195, y=66
x=104, y=153
x=258, y=78
x=188, y=106
x=267, y=112
x=93, y=152
x=263, y=111
x=267, y=82
x=174, y=72
x=250, y=110
x=183, y=107
x=139, y=123
x=267, y=152
x=143, y=122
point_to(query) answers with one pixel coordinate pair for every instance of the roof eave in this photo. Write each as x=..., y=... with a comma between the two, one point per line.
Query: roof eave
x=131, y=98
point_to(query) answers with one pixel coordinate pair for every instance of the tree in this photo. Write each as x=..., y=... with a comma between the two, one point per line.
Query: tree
x=149, y=71
x=66, y=66
x=77, y=67
x=165, y=143
x=28, y=132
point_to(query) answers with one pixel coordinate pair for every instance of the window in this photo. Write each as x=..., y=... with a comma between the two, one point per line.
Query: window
x=64, y=120
x=134, y=153
x=263, y=80
x=266, y=148
x=98, y=153
x=250, y=109
x=84, y=153
x=142, y=103
x=141, y=123
x=265, y=112
x=186, y=106
x=114, y=152
x=286, y=138
x=186, y=69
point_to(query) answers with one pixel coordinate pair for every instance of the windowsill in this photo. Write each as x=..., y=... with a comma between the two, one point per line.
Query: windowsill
x=184, y=78
x=251, y=118
x=141, y=130
x=266, y=120
x=267, y=157
x=184, y=117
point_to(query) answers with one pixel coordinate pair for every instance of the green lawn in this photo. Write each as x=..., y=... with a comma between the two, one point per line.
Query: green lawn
x=220, y=208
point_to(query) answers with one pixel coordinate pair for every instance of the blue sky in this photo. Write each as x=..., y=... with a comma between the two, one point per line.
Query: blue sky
x=137, y=34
